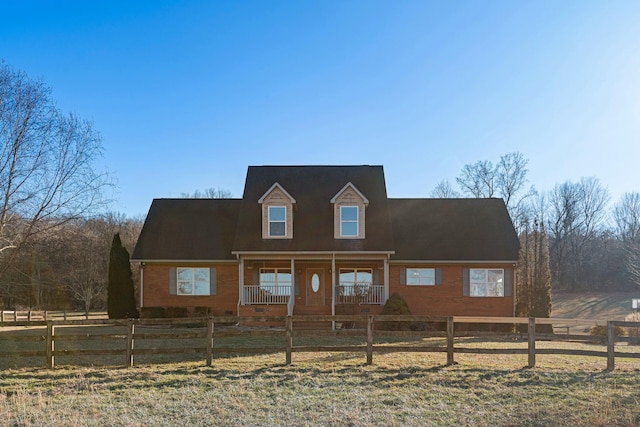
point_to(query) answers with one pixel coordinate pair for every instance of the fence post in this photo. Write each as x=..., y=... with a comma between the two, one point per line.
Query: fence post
x=450, y=335
x=289, y=338
x=369, y=340
x=532, y=342
x=45, y=315
x=50, y=344
x=15, y=315
x=130, y=341
x=209, y=341
x=29, y=316
x=2, y=316
x=611, y=340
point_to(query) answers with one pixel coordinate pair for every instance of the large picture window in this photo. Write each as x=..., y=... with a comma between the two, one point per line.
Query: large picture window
x=348, y=221
x=193, y=281
x=275, y=281
x=277, y=221
x=486, y=282
x=355, y=281
x=421, y=276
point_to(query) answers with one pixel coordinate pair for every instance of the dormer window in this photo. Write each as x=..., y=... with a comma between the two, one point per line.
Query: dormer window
x=349, y=221
x=277, y=221
x=277, y=213
x=349, y=213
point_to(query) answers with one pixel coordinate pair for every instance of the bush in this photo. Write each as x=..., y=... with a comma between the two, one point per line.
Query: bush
x=152, y=312
x=633, y=317
x=395, y=306
x=601, y=331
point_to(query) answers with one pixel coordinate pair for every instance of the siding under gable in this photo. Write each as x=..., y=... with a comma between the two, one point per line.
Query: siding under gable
x=277, y=197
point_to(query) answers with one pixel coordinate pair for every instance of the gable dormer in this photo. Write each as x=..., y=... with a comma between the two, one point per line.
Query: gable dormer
x=277, y=213
x=349, y=206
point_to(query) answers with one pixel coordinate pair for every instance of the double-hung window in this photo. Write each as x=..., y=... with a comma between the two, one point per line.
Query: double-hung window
x=193, y=281
x=421, y=276
x=349, y=221
x=275, y=281
x=277, y=221
x=486, y=282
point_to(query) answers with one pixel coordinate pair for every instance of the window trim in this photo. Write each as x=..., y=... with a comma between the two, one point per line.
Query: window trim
x=420, y=276
x=192, y=282
x=356, y=221
x=276, y=284
x=486, y=282
x=270, y=221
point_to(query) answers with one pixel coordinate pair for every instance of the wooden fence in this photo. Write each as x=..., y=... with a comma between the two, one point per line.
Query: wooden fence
x=162, y=331
x=34, y=315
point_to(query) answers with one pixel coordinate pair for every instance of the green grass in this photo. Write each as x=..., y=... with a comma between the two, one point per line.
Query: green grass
x=328, y=389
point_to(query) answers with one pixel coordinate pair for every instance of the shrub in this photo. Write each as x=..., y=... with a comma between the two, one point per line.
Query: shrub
x=395, y=305
x=633, y=332
x=601, y=331
x=152, y=312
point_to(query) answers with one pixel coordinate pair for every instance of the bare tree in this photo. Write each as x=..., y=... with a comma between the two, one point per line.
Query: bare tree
x=444, y=190
x=626, y=214
x=577, y=215
x=47, y=173
x=209, y=193
x=507, y=179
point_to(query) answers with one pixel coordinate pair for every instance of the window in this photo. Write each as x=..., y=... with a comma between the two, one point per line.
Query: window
x=355, y=281
x=349, y=221
x=193, y=281
x=486, y=282
x=277, y=221
x=421, y=276
x=275, y=281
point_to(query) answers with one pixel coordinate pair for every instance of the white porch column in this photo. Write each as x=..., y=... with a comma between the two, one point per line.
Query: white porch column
x=241, y=281
x=386, y=279
x=292, y=296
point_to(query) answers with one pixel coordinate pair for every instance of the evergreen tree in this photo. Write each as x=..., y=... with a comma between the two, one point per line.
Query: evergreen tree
x=121, y=303
x=533, y=296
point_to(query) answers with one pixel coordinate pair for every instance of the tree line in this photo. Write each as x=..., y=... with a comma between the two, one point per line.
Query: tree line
x=593, y=243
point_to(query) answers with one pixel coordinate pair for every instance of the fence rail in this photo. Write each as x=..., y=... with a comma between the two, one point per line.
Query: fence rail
x=131, y=332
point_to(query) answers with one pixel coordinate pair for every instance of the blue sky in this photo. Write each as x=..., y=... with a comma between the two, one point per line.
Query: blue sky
x=187, y=94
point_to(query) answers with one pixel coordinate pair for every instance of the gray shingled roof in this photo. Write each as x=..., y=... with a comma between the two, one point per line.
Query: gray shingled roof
x=313, y=187
x=416, y=229
x=452, y=230
x=188, y=229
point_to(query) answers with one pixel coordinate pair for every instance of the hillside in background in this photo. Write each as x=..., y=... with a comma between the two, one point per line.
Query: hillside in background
x=592, y=305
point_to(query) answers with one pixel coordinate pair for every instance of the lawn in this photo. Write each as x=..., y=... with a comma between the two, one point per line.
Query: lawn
x=329, y=389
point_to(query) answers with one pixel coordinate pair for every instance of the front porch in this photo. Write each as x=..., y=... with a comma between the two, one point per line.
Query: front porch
x=312, y=285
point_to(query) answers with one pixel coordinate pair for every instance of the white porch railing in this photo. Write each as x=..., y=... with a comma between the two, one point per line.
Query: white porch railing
x=359, y=293
x=267, y=294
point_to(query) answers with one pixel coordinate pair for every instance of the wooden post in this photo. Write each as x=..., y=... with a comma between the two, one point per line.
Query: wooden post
x=29, y=316
x=15, y=315
x=369, y=340
x=289, y=338
x=532, y=342
x=2, y=316
x=611, y=341
x=50, y=344
x=450, y=335
x=130, y=341
x=209, y=341
x=45, y=315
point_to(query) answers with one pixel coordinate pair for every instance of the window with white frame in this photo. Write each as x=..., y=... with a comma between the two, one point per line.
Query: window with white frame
x=349, y=221
x=275, y=281
x=277, y=221
x=355, y=281
x=421, y=276
x=193, y=281
x=486, y=282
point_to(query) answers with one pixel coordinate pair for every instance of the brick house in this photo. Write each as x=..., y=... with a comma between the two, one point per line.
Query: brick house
x=310, y=240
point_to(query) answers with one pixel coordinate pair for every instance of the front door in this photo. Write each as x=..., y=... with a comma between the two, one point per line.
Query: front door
x=315, y=286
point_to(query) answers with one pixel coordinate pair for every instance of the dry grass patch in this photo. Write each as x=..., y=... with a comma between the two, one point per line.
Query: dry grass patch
x=329, y=389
